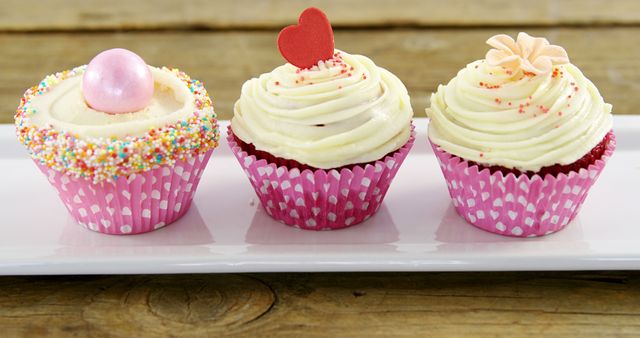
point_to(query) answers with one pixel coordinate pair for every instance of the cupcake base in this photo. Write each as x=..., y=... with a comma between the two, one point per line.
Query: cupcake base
x=518, y=205
x=130, y=205
x=584, y=162
x=318, y=199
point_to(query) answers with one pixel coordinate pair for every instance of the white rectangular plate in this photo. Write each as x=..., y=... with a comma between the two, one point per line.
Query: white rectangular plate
x=226, y=229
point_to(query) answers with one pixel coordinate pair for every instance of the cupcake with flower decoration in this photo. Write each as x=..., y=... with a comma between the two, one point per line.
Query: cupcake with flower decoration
x=123, y=143
x=321, y=137
x=521, y=136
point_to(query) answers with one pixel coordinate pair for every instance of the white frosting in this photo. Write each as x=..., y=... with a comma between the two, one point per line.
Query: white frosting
x=64, y=107
x=556, y=124
x=328, y=116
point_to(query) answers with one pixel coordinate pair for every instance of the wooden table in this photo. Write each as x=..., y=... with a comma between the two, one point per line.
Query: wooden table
x=225, y=43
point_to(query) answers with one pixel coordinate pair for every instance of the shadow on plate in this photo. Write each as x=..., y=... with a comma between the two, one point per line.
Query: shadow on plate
x=455, y=234
x=379, y=229
x=190, y=230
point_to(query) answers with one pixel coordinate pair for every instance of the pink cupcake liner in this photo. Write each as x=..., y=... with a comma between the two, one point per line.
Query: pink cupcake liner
x=320, y=199
x=513, y=205
x=135, y=204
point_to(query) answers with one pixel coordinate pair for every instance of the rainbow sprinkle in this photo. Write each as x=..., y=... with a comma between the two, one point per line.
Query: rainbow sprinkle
x=106, y=159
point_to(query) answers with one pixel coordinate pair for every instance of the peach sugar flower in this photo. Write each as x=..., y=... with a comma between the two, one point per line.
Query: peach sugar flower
x=532, y=55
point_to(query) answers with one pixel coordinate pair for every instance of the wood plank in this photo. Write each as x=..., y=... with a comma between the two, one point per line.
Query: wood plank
x=531, y=304
x=224, y=60
x=21, y=15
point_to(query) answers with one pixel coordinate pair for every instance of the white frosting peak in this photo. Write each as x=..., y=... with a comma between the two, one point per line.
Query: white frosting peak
x=512, y=118
x=343, y=111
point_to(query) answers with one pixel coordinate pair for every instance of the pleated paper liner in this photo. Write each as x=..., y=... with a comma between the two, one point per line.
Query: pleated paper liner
x=517, y=205
x=130, y=205
x=320, y=199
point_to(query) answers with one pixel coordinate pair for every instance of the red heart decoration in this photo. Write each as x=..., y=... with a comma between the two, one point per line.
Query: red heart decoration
x=308, y=42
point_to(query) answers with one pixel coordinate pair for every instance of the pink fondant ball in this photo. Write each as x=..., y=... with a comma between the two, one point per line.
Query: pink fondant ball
x=117, y=81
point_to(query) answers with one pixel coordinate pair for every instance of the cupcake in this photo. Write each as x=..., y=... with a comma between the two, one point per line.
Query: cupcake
x=123, y=143
x=520, y=136
x=321, y=137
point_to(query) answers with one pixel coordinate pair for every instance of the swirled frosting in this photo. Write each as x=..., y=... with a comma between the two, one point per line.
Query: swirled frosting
x=343, y=111
x=512, y=117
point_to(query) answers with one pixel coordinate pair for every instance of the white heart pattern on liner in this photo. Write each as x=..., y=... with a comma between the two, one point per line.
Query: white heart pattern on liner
x=105, y=206
x=335, y=198
x=515, y=205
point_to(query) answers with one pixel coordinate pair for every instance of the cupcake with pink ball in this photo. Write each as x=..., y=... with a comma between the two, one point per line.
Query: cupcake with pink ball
x=321, y=137
x=123, y=143
x=521, y=136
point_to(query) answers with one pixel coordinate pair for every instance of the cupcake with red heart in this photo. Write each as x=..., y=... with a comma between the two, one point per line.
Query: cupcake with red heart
x=321, y=137
x=521, y=136
x=123, y=143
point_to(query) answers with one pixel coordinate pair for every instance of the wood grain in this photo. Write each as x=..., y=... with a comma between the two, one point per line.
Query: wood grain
x=33, y=15
x=566, y=304
x=224, y=60
x=224, y=43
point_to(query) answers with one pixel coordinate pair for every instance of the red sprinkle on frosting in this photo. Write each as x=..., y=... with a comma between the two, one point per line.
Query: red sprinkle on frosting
x=106, y=159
